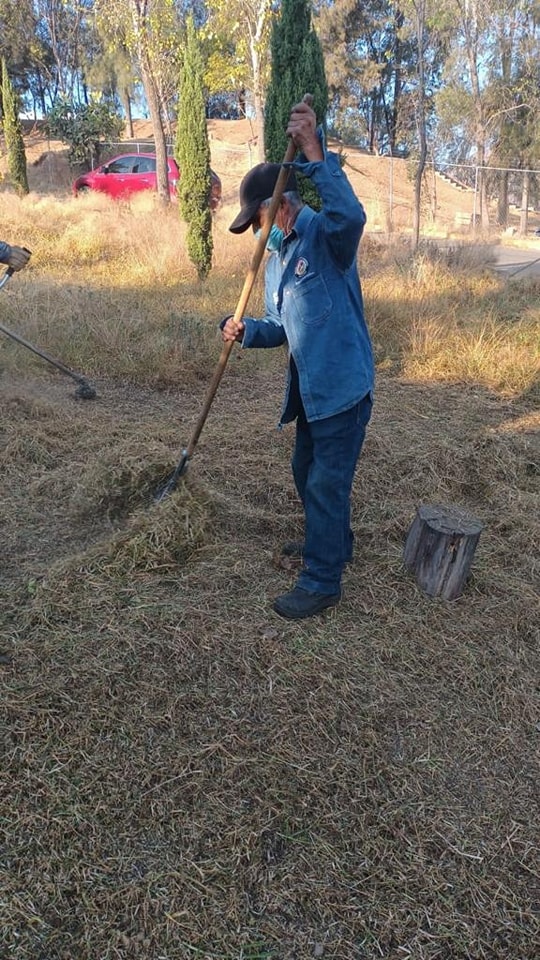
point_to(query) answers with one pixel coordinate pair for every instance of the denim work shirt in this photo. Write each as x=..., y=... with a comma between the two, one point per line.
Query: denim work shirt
x=313, y=300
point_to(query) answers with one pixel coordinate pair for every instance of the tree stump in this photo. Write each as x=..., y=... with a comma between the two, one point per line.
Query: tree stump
x=440, y=547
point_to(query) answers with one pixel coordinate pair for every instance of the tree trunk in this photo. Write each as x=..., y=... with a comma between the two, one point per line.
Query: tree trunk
x=502, y=202
x=418, y=177
x=421, y=125
x=373, y=107
x=154, y=108
x=259, y=127
x=484, y=205
x=126, y=103
x=440, y=548
x=398, y=25
x=524, y=217
x=257, y=95
x=242, y=102
x=472, y=43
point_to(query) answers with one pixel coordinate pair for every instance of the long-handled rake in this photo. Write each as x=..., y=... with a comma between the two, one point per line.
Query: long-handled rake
x=279, y=190
x=85, y=390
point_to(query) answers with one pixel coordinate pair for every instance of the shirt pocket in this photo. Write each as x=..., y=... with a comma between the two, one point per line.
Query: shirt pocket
x=310, y=300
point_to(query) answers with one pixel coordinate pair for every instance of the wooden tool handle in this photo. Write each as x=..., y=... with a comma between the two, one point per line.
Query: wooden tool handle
x=279, y=190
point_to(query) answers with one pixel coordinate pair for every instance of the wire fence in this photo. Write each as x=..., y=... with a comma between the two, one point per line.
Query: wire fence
x=509, y=190
x=110, y=149
x=456, y=197
x=114, y=147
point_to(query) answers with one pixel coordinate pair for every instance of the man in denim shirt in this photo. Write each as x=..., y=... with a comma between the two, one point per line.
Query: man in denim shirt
x=313, y=303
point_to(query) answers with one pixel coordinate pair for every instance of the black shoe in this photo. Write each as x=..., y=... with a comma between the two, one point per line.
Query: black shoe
x=301, y=603
x=293, y=549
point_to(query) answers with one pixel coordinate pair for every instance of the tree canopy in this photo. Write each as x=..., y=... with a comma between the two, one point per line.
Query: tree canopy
x=471, y=72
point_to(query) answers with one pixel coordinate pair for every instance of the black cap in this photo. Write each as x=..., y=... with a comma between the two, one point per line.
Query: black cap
x=256, y=187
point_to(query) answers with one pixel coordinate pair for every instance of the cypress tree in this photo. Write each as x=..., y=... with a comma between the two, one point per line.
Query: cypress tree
x=297, y=68
x=13, y=135
x=192, y=154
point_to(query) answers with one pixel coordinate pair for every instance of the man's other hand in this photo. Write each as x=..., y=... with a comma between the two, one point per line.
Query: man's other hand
x=233, y=330
x=18, y=258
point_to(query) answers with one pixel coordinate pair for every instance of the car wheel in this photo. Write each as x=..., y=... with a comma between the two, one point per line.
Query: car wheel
x=83, y=189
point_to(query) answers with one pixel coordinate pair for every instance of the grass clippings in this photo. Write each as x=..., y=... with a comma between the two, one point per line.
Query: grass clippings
x=157, y=538
x=185, y=775
x=124, y=477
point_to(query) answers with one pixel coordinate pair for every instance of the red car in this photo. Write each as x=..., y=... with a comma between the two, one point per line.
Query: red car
x=132, y=172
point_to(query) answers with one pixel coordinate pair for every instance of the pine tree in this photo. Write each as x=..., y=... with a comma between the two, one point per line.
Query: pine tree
x=193, y=156
x=13, y=135
x=297, y=68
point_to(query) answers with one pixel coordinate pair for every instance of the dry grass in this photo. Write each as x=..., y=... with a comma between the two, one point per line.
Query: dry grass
x=184, y=774
x=446, y=317
x=131, y=306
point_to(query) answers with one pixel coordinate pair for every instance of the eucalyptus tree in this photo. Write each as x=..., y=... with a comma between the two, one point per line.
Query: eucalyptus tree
x=428, y=29
x=487, y=107
x=29, y=58
x=111, y=71
x=514, y=101
x=150, y=31
x=238, y=38
x=419, y=12
x=368, y=59
x=473, y=22
x=63, y=30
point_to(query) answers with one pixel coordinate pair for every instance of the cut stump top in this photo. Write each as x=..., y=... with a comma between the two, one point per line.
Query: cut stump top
x=449, y=519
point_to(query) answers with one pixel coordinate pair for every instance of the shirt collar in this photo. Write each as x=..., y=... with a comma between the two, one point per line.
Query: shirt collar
x=302, y=222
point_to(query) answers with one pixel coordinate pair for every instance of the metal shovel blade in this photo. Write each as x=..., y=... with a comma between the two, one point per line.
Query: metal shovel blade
x=172, y=483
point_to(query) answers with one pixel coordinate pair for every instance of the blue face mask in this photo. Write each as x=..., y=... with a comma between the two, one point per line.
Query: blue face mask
x=275, y=237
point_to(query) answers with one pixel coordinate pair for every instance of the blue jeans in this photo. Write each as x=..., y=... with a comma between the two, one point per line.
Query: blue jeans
x=323, y=464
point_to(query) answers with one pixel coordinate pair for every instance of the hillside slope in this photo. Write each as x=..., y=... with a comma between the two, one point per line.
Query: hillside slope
x=382, y=183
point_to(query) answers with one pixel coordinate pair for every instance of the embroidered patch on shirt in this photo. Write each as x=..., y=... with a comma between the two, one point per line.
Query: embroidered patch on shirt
x=301, y=267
